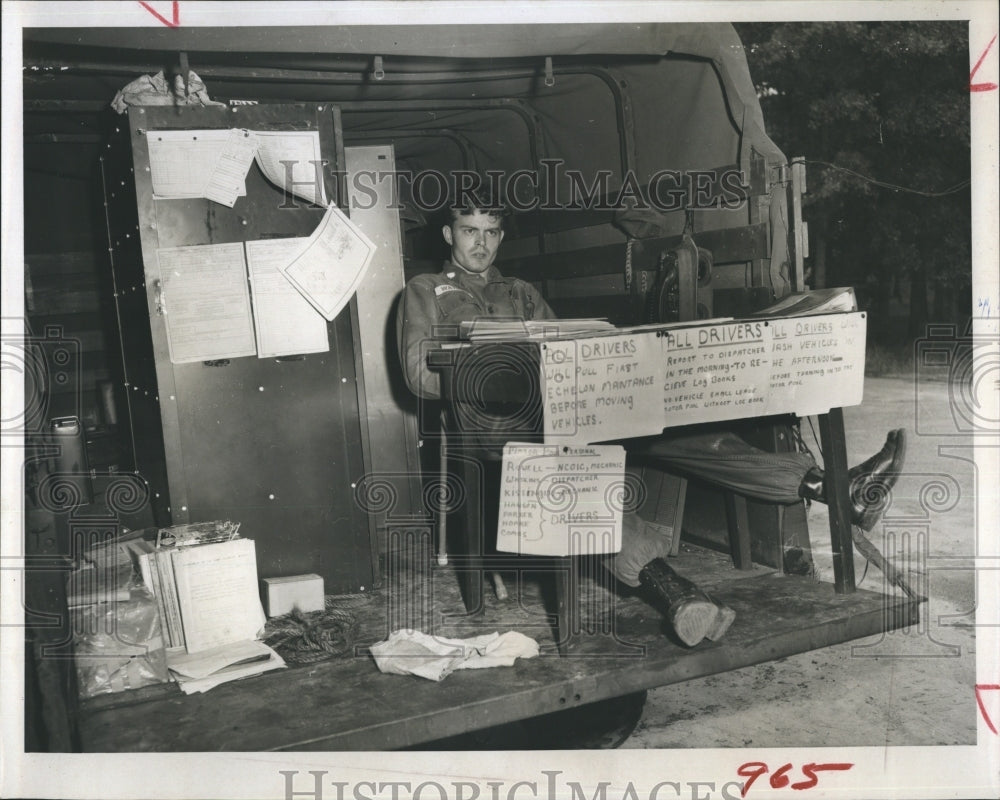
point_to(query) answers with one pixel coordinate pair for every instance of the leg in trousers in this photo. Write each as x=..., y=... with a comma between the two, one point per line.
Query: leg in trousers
x=728, y=461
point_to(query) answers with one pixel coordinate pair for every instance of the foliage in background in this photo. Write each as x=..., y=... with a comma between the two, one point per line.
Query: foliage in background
x=889, y=100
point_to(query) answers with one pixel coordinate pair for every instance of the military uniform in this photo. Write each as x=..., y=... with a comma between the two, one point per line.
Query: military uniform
x=449, y=298
x=445, y=300
x=435, y=306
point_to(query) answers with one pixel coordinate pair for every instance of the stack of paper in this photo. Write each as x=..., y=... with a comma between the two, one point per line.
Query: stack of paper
x=492, y=328
x=221, y=614
x=197, y=533
x=206, y=669
x=109, y=551
x=98, y=584
x=105, y=569
x=817, y=301
x=205, y=581
x=216, y=586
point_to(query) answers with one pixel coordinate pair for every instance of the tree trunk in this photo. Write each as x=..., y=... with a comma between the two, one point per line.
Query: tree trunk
x=817, y=249
x=918, y=305
x=879, y=324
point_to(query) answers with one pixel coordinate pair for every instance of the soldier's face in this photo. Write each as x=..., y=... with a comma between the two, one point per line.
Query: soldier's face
x=474, y=239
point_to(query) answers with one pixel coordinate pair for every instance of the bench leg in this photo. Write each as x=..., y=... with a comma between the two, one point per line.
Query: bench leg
x=834, y=441
x=567, y=601
x=466, y=523
x=739, y=530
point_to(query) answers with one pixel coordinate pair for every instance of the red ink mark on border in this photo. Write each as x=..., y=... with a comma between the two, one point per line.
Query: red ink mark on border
x=986, y=687
x=810, y=770
x=982, y=87
x=751, y=770
x=176, y=21
x=779, y=778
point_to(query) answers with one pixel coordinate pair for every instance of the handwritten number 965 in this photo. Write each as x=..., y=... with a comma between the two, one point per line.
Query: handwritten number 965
x=779, y=778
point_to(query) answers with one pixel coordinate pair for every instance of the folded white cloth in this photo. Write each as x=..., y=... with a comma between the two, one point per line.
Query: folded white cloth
x=408, y=652
x=155, y=90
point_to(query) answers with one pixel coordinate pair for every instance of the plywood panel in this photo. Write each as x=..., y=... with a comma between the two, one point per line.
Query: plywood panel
x=274, y=444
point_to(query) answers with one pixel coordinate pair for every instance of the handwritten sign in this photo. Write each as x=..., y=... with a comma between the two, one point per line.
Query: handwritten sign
x=560, y=500
x=601, y=387
x=714, y=372
x=609, y=387
x=817, y=363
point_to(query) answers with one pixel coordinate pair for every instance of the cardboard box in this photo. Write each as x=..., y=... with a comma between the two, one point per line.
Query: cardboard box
x=304, y=592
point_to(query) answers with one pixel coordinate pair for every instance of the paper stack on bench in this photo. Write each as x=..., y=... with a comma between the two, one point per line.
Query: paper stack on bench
x=815, y=301
x=205, y=580
x=485, y=329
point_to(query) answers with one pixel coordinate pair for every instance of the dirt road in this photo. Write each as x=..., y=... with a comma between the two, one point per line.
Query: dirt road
x=910, y=687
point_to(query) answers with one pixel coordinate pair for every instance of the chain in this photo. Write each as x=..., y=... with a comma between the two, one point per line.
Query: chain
x=628, y=265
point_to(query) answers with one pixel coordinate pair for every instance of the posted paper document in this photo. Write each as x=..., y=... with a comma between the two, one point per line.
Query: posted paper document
x=205, y=302
x=330, y=269
x=286, y=322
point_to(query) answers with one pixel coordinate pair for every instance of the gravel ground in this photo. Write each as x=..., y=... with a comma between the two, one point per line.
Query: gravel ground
x=911, y=687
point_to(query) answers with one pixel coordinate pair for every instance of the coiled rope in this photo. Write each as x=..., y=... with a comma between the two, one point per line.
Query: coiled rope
x=306, y=637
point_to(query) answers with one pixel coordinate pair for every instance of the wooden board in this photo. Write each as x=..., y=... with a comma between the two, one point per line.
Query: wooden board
x=346, y=704
x=200, y=427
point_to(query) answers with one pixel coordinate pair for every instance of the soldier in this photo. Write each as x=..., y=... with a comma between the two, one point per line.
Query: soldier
x=470, y=286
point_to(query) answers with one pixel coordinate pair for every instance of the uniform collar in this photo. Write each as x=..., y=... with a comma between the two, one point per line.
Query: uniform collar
x=460, y=276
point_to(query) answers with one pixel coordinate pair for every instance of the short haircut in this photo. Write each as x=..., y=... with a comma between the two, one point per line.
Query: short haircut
x=470, y=202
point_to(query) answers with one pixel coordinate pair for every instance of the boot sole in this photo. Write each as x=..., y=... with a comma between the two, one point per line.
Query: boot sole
x=871, y=516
